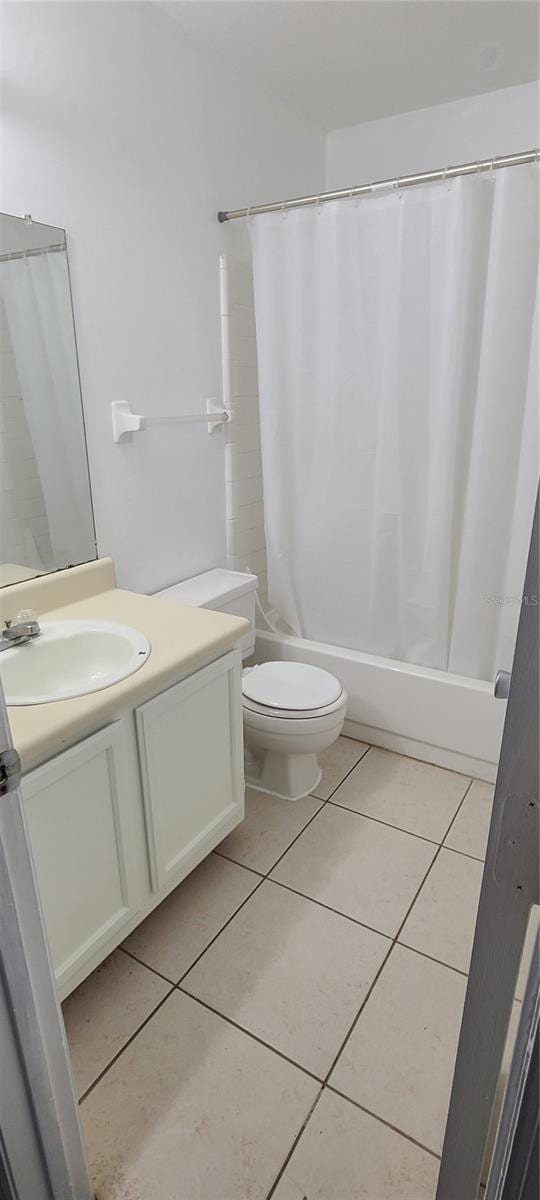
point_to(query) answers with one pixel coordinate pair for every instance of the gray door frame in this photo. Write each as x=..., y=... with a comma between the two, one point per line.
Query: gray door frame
x=41, y=1147
x=510, y=886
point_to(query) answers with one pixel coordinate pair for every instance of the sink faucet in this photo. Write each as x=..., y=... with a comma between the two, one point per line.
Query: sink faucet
x=24, y=628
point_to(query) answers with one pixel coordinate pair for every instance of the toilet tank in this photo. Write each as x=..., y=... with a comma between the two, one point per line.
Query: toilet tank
x=223, y=591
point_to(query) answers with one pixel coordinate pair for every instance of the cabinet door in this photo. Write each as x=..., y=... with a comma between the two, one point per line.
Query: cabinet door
x=190, y=744
x=76, y=809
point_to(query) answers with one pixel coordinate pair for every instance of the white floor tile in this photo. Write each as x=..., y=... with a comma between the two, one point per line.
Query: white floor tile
x=194, y=1109
x=345, y=1154
x=336, y=762
x=443, y=918
x=414, y=796
x=469, y=833
x=399, y=1060
x=268, y=828
x=105, y=1011
x=291, y=972
x=361, y=868
x=180, y=928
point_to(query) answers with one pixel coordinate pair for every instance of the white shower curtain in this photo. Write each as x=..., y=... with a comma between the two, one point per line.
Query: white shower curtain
x=397, y=348
x=37, y=299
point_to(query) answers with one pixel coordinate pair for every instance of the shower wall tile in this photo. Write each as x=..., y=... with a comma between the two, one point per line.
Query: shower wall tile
x=243, y=465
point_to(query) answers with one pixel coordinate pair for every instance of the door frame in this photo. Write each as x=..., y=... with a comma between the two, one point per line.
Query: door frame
x=41, y=1147
x=510, y=887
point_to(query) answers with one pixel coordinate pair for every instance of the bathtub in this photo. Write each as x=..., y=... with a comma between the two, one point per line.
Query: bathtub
x=448, y=720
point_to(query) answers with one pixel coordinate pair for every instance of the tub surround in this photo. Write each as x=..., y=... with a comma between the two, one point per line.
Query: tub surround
x=182, y=640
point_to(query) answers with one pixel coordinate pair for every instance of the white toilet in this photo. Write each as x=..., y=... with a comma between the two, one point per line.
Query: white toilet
x=292, y=711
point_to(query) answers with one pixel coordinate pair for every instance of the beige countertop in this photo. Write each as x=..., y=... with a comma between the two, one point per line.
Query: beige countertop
x=182, y=639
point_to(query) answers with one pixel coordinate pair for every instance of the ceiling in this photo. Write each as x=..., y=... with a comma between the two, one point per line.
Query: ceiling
x=344, y=61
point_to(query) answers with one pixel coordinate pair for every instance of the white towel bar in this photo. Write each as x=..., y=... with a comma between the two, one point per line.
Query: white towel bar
x=125, y=421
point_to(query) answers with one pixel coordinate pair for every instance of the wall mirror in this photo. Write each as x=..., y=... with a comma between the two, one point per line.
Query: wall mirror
x=46, y=519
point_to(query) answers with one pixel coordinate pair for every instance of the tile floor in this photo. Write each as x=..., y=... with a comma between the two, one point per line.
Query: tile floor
x=285, y=1024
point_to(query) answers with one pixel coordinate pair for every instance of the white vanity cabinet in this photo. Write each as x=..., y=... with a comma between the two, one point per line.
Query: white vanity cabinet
x=80, y=811
x=190, y=746
x=117, y=821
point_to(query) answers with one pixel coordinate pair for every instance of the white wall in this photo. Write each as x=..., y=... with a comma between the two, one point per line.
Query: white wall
x=502, y=122
x=116, y=127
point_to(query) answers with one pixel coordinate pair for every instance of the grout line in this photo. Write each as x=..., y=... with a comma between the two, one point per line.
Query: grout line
x=298, y=835
x=227, y=857
x=346, y=916
x=463, y=853
x=387, y=824
x=142, y=963
x=219, y=932
x=242, y=1028
x=125, y=1046
x=394, y=941
x=287, y=1160
x=346, y=776
x=359, y=1013
x=439, y=961
x=329, y=1087
x=457, y=812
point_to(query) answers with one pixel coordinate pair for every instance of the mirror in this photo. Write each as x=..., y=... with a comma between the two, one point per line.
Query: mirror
x=46, y=518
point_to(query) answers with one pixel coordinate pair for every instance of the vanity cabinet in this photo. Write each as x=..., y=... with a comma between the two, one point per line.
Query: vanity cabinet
x=117, y=821
x=190, y=746
x=78, y=810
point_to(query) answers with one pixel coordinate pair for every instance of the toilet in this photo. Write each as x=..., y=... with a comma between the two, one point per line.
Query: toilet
x=292, y=711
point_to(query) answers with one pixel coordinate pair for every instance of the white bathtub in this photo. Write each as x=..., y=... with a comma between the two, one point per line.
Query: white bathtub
x=445, y=719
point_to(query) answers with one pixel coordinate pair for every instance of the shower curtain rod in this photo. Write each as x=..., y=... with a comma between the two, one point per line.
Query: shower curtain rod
x=35, y=250
x=364, y=189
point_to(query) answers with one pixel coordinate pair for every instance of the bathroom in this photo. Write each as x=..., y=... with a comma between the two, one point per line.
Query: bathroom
x=290, y=475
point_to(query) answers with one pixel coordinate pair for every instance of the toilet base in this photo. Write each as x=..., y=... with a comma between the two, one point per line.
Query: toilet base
x=286, y=776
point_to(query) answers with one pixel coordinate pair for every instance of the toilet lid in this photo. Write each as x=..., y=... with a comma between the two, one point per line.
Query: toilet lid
x=291, y=685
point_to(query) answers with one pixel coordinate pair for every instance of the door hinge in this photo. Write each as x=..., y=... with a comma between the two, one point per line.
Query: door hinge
x=10, y=771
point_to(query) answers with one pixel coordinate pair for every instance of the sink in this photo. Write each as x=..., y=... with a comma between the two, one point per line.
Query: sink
x=71, y=658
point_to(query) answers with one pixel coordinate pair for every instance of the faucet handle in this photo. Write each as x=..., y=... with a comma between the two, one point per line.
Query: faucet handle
x=25, y=616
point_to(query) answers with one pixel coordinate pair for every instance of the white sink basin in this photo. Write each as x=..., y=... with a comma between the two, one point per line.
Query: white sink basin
x=71, y=658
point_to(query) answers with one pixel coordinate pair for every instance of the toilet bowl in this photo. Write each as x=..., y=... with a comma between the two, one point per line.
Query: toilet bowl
x=292, y=711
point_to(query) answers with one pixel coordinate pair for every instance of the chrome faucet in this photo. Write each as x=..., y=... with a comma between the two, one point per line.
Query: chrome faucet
x=24, y=628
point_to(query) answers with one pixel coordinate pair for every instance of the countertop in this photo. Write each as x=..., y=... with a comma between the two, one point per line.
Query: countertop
x=182, y=640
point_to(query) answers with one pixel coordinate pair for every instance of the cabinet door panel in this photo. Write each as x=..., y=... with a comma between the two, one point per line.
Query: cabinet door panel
x=190, y=741
x=73, y=812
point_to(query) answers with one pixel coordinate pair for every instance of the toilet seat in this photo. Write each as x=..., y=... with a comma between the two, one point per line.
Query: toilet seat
x=292, y=714
x=290, y=690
